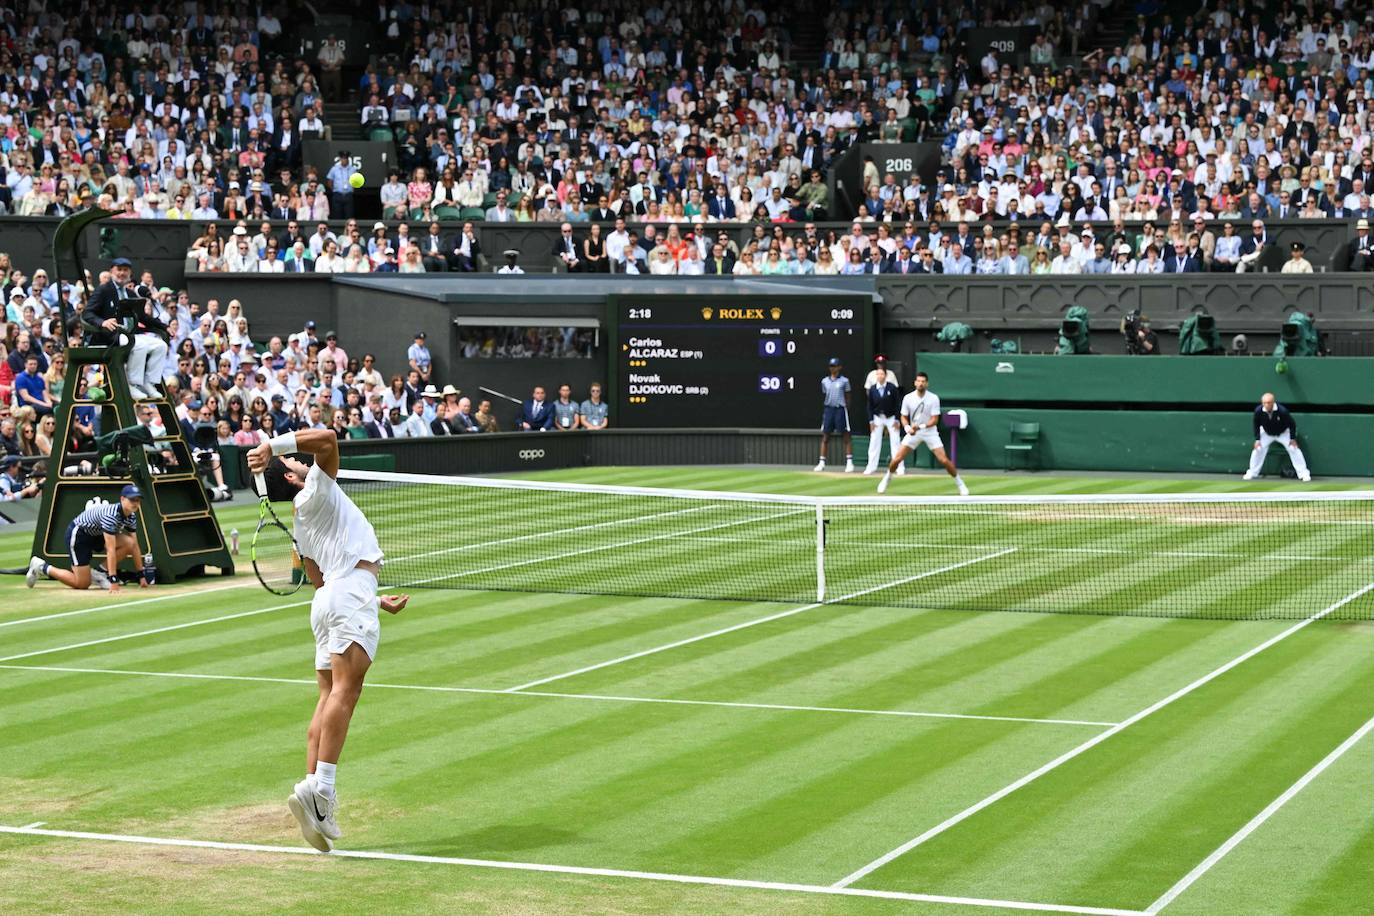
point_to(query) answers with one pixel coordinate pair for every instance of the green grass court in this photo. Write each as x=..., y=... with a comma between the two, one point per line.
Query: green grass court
x=697, y=755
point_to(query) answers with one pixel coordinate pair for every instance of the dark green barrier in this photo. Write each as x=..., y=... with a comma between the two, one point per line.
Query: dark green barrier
x=234, y=466
x=373, y=462
x=1157, y=440
x=1162, y=381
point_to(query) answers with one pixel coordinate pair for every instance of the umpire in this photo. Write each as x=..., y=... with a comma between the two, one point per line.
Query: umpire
x=101, y=319
x=1273, y=423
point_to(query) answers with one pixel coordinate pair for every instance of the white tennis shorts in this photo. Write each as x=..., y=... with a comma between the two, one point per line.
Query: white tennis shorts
x=929, y=436
x=343, y=612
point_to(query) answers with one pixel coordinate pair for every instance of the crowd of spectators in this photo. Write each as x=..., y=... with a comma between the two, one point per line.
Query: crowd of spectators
x=687, y=114
x=225, y=387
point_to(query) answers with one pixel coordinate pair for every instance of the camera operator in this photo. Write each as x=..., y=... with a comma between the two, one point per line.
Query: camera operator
x=13, y=485
x=205, y=451
x=1140, y=340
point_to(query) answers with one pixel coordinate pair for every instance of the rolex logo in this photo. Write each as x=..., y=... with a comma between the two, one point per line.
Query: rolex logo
x=707, y=312
x=775, y=312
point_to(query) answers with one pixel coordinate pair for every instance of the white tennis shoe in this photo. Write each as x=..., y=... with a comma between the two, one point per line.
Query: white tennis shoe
x=315, y=813
x=820, y=466
x=882, y=484
x=849, y=467
x=35, y=570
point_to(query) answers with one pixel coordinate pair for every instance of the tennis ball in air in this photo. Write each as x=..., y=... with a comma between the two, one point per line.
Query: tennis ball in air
x=96, y=394
x=356, y=179
x=1281, y=366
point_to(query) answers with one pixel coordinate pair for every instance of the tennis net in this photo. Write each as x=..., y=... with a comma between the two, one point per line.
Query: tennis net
x=1233, y=556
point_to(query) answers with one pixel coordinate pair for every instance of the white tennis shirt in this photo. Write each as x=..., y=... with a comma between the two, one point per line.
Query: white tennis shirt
x=330, y=529
x=919, y=408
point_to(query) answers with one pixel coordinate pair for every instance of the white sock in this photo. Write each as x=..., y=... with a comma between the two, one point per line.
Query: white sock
x=958, y=479
x=43, y=570
x=324, y=777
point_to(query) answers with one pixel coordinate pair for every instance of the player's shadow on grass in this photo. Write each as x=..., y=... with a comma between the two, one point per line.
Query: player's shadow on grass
x=490, y=841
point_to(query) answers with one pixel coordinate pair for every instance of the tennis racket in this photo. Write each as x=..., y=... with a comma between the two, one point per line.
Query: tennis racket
x=276, y=559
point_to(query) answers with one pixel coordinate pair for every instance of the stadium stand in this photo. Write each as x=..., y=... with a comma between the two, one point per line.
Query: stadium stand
x=1141, y=124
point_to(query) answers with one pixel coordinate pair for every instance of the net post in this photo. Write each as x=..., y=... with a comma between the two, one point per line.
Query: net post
x=820, y=551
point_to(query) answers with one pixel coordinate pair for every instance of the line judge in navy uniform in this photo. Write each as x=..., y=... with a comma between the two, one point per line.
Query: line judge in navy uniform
x=1273, y=423
x=884, y=403
x=835, y=415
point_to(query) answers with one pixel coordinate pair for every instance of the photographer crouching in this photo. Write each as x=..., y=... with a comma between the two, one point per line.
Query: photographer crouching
x=1140, y=340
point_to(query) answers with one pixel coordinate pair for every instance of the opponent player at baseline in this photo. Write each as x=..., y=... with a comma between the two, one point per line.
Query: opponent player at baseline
x=342, y=559
x=920, y=413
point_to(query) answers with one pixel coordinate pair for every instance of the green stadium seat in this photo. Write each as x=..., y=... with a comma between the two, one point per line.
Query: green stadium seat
x=417, y=212
x=472, y=213
x=444, y=212
x=380, y=135
x=489, y=201
x=1025, y=442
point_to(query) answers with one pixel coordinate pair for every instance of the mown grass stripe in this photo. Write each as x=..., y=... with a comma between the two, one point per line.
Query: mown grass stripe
x=1081, y=810
x=1091, y=743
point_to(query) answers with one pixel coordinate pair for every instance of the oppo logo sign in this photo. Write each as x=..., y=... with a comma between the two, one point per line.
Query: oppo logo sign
x=531, y=454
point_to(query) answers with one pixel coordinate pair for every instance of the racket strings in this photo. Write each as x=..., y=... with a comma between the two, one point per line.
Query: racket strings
x=275, y=560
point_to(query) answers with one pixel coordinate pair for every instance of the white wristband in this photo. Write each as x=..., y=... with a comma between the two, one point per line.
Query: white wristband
x=284, y=444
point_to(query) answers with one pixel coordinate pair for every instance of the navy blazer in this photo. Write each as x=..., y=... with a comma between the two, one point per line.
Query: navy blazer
x=537, y=416
x=1276, y=423
x=885, y=399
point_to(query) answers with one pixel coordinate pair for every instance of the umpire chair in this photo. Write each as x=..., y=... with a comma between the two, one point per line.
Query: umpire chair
x=177, y=524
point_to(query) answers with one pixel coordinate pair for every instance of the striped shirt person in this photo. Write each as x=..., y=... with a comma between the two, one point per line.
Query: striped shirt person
x=108, y=528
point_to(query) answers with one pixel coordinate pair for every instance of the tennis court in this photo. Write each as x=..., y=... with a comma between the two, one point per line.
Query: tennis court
x=534, y=743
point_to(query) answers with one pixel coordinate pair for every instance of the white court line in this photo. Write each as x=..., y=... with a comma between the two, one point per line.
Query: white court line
x=612, y=698
x=1239, y=836
x=1091, y=551
x=445, y=576
x=1092, y=743
x=166, y=629
x=124, y=604
x=751, y=623
x=33, y=825
x=576, y=870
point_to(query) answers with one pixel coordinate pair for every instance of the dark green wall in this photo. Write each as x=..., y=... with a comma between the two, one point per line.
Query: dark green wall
x=1160, y=381
x=1154, y=440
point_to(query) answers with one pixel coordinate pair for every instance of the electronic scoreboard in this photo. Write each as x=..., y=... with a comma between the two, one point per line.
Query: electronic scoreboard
x=738, y=360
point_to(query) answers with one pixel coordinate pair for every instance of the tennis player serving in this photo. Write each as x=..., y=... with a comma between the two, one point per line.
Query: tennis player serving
x=341, y=558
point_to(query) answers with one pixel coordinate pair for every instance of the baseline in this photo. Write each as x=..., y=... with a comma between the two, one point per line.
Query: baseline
x=573, y=870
